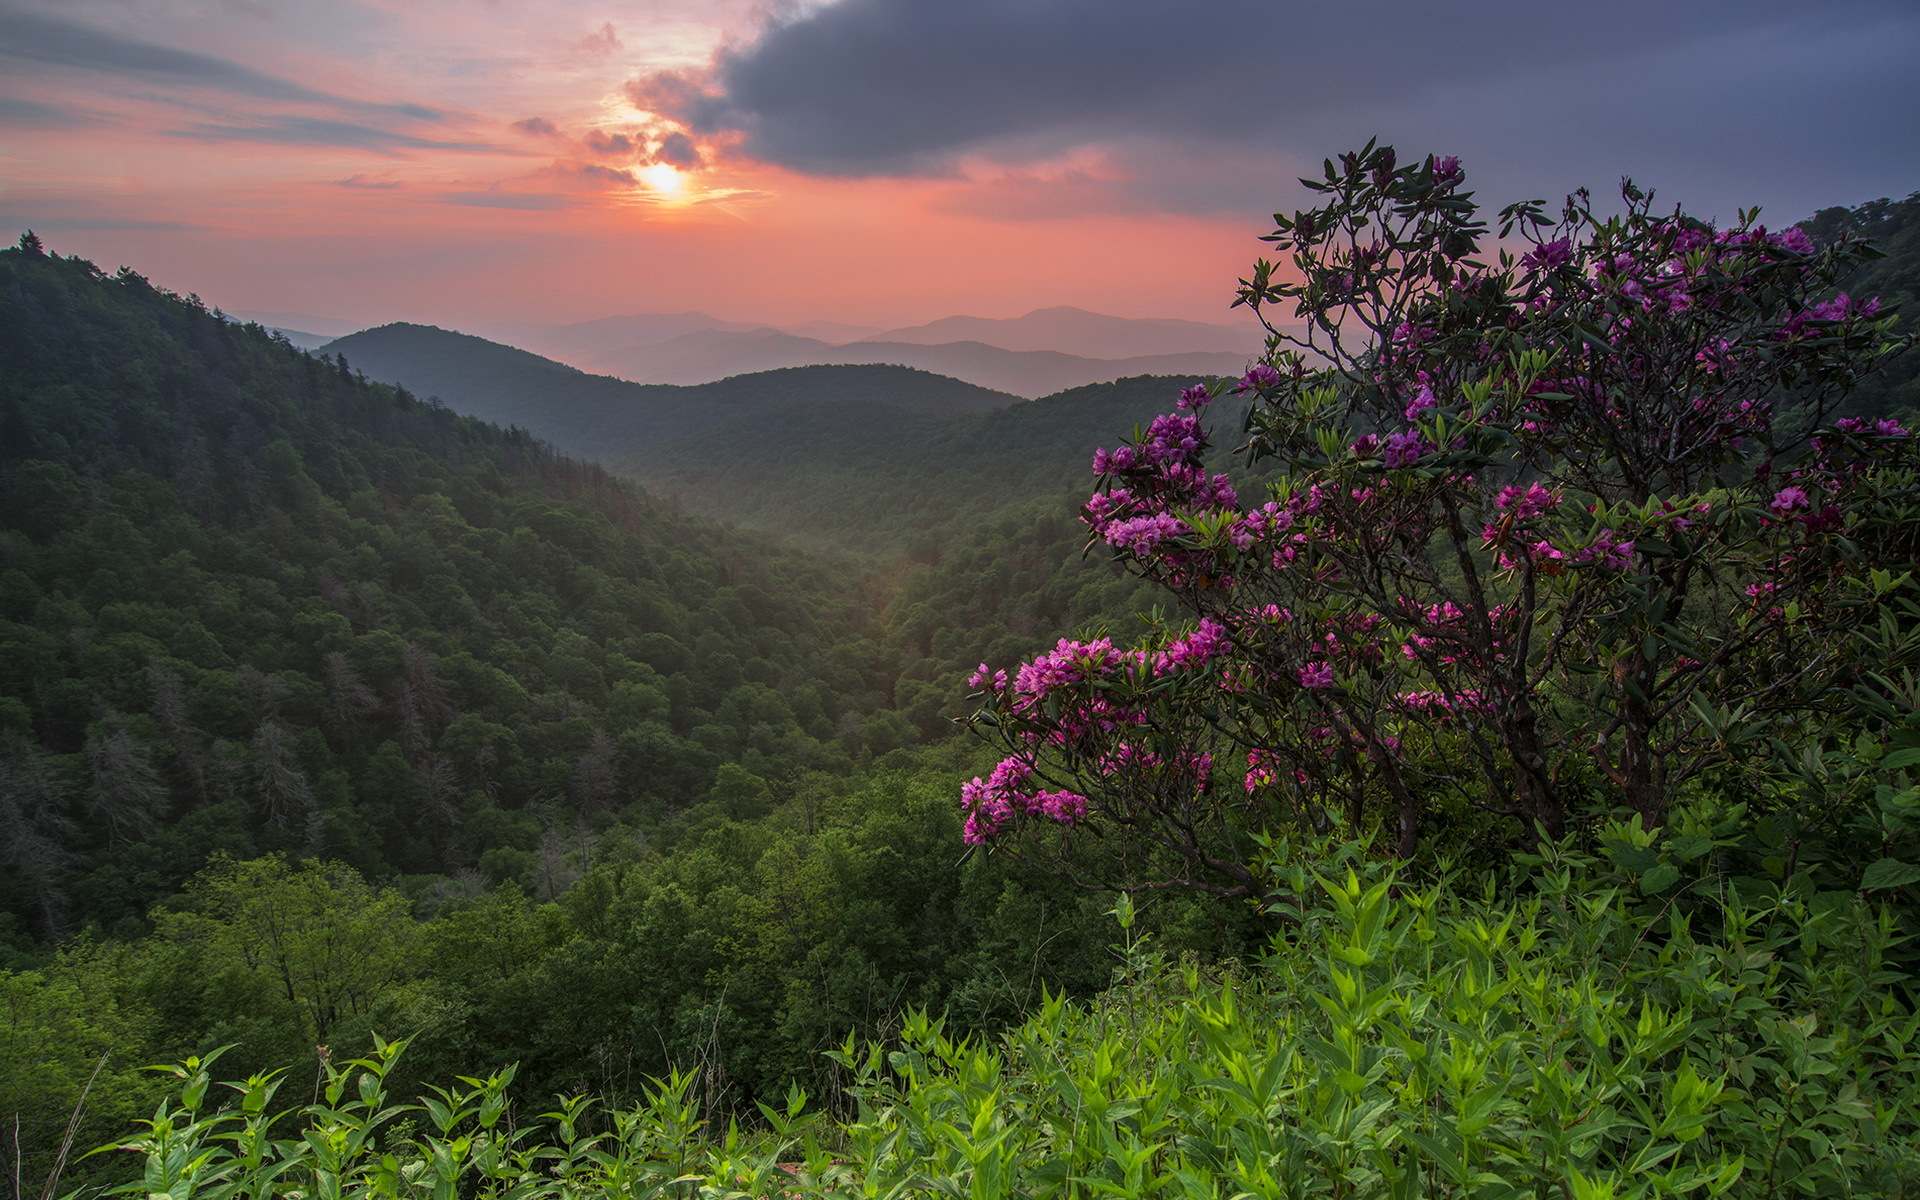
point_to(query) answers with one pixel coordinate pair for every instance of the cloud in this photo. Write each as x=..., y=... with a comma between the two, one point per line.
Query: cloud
x=601, y=43
x=865, y=88
x=601, y=142
x=591, y=176
x=15, y=111
x=56, y=43
x=315, y=131
x=536, y=127
x=362, y=180
x=677, y=149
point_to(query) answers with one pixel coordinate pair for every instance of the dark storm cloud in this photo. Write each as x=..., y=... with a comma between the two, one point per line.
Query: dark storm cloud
x=890, y=87
x=50, y=42
x=536, y=127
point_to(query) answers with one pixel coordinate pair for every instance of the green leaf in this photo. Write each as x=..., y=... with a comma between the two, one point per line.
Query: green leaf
x=1899, y=758
x=1889, y=873
x=1660, y=878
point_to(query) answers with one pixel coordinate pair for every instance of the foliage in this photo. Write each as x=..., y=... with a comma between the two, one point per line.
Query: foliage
x=1403, y=1041
x=1893, y=227
x=875, y=478
x=325, y=942
x=1541, y=525
x=249, y=601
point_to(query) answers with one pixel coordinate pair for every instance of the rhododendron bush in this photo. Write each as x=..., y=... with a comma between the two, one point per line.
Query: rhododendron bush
x=1547, y=517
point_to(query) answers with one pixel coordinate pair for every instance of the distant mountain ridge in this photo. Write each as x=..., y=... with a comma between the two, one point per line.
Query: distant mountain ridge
x=1068, y=330
x=597, y=416
x=1045, y=351
x=706, y=355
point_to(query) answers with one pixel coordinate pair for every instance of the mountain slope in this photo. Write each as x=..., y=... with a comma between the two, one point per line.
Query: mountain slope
x=871, y=478
x=599, y=416
x=251, y=602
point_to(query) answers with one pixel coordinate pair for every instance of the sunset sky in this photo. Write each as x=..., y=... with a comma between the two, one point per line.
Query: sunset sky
x=876, y=161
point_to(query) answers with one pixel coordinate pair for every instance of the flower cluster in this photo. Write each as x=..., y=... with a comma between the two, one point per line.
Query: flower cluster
x=995, y=801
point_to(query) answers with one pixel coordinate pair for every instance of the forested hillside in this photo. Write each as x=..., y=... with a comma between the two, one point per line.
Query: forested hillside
x=253, y=602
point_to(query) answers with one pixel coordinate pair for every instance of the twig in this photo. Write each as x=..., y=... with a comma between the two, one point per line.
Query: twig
x=73, y=1127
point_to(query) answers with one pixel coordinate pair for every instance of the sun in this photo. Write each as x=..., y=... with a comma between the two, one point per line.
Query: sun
x=664, y=178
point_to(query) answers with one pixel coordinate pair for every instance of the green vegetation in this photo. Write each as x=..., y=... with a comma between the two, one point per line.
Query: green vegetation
x=1569, y=1039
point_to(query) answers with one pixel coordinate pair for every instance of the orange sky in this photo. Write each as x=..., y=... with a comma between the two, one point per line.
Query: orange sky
x=881, y=162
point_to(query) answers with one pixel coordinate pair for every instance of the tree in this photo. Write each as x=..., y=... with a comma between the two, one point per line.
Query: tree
x=328, y=942
x=1544, y=529
x=125, y=794
x=35, y=831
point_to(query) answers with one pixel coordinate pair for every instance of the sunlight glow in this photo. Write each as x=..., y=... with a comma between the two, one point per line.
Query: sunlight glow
x=663, y=178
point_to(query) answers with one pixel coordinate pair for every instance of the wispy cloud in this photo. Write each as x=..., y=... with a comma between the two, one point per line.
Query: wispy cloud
x=52, y=42
x=16, y=111
x=316, y=131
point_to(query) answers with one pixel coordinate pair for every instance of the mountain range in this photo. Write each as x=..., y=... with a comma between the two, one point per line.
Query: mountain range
x=1045, y=351
x=858, y=456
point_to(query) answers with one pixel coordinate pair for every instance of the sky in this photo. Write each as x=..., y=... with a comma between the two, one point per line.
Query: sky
x=878, y=162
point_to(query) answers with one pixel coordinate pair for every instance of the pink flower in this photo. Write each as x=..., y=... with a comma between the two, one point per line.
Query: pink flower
x=1404, y=449
x=1796, y=240
x=983, y=678
x=1548, y=255
x=1788, y=499
x=1523, y=505
x=1316, y=676
x=1606, y=552
x=1258, y=376
x=1422, y=404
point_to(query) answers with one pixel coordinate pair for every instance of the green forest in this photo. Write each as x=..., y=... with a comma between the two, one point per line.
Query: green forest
x=460, y=818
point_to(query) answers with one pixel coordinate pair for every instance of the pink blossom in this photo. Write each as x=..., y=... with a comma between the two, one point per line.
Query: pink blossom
x=1524, y=505
x=1787, y=499
x=1422, y=404
x=1258, y=376
x=1606, y=552
x=1316, y=676
x=1194, y=398
x=1196, y=649
x=1404, y=449
x=983, y=678
x=1796, y=240
x=1548, y=255
x=1142, y=534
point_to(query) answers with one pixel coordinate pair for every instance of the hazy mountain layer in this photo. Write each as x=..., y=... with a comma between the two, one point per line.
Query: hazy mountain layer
x=1069, y=330
x=601, y=417
x=713, y=354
